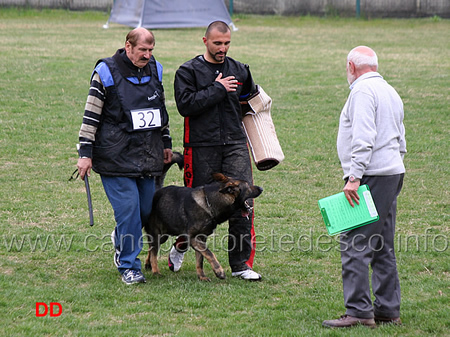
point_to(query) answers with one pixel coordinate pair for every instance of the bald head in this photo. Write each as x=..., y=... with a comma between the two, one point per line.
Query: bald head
x=363, y=56
x=360, y=60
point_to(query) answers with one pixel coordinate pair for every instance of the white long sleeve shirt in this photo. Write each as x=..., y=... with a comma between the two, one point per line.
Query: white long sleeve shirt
x=371, y=138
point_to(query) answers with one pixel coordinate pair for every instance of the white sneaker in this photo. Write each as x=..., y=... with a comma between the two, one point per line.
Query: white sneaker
x=175, y=259
x=131, y=276
x=247, y=274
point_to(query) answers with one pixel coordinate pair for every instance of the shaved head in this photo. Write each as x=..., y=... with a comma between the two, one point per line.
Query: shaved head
x=221, y=26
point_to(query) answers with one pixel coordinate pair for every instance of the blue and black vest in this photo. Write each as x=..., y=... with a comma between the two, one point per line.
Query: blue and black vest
x=128, y=141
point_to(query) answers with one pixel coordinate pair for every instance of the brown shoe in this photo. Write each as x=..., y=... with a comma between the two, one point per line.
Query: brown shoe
x=347, y=321
x=388, y=320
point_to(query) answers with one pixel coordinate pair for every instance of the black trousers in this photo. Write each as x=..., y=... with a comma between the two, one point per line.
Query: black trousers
x=233, y=161
x=373, y=245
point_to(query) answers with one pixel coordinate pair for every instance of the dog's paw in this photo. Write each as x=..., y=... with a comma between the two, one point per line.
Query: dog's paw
x=148, y=266
x=220, y=274
x=157, y=274
x=204, y=279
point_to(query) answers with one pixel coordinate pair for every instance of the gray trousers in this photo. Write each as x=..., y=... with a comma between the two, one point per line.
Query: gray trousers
x=373, y=245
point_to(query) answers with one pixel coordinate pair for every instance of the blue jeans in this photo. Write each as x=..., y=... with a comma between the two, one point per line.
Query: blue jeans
x=131, y=200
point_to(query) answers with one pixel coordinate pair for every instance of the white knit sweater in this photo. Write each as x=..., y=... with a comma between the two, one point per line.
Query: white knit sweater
x=371, y=138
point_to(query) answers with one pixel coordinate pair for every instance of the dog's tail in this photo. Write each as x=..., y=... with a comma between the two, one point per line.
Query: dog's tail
x=178, y=158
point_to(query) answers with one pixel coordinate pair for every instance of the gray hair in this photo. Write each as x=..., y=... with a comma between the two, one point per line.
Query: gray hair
x=363, y=56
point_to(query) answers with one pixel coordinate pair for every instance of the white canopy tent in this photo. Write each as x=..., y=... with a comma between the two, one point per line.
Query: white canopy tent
x=156, y=14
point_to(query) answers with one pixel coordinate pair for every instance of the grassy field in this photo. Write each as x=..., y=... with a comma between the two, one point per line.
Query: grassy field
x=49, y=253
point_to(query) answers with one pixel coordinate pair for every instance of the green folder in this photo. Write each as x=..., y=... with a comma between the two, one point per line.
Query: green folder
x=339, y=216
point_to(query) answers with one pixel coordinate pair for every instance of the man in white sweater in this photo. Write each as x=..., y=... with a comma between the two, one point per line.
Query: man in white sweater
x=371, y=145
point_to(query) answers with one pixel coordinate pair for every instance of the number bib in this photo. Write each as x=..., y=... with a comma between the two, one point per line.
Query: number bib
x=144, y=119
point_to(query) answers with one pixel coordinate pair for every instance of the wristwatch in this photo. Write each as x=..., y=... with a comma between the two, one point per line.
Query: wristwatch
x=353, y=179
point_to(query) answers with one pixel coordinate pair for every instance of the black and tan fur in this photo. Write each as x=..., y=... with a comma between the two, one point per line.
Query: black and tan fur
x=195, y=213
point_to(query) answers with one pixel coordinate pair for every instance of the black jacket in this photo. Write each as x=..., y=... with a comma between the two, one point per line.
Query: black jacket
x=212, y=115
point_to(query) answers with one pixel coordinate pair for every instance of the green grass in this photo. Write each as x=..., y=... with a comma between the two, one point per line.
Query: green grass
x=46, y=60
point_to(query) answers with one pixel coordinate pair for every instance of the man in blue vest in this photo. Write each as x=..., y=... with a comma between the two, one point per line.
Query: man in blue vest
x=125, y=138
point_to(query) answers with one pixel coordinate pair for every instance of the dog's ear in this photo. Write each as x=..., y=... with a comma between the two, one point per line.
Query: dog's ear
x=221, y=178
x=230, y=189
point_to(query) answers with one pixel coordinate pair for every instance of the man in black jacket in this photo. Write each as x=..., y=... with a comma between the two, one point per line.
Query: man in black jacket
x=209, y=91
x=125, y=138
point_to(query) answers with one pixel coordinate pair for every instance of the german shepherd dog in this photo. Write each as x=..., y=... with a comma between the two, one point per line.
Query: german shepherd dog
x=195, y=213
